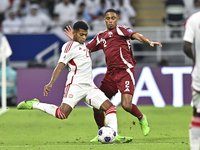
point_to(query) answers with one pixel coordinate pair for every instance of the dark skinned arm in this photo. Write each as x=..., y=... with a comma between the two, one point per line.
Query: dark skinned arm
x=188, y=50
x=145, y=40
x=54, y=77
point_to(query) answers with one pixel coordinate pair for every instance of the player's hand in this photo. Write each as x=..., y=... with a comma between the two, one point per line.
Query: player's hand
x=47, y=89
x=69, y=32
x=152, y=44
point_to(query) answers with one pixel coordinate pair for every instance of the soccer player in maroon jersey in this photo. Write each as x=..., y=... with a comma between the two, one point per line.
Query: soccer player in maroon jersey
x=115, y=42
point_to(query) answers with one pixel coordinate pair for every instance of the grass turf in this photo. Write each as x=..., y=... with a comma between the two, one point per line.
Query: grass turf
x=33, y=129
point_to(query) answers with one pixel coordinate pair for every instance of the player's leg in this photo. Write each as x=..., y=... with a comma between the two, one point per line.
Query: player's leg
x=194, y=130
x=126, y=86
x=99, y=117
x=111, y=120
x=47, y=108
x=109, y=91
x=127, y=105
x=110, y=110
x=194, y=133
x=68, y=103
x=97, y=99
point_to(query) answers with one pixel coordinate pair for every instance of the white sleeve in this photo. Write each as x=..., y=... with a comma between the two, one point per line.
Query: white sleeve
x=189, y=30
x=66, y=54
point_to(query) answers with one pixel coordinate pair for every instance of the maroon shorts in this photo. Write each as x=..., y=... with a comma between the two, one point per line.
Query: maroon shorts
x=118, y=79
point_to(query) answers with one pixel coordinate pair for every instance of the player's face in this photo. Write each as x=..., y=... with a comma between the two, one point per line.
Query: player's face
x=80, y=35
x=111, y=19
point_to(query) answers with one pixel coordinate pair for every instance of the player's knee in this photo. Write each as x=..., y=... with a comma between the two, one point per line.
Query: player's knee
x=106, y=104
x=60, y=114
x=126, y=106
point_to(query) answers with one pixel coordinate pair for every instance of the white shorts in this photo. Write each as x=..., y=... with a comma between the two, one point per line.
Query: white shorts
x=88, y=93
x=196, y=100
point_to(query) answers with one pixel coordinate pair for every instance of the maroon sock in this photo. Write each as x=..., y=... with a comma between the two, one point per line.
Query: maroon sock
x=136, y=112
x=99, y=118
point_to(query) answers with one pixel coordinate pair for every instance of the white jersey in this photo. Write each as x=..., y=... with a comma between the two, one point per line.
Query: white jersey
x=77, y=57
x=192, y=35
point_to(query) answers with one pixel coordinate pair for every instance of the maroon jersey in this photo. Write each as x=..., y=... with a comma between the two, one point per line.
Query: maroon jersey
x=116, y=46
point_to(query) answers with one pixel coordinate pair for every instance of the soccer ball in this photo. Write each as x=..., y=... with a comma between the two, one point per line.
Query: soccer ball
x=106, y=135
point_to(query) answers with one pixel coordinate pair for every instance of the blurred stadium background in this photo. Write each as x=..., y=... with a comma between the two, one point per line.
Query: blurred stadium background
x=34, y=30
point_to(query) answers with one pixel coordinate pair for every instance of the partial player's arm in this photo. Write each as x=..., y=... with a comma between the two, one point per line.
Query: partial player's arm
x=54, y=76
x=69, y=32
x=144, y=39
x=189, y=37
x=188, y=50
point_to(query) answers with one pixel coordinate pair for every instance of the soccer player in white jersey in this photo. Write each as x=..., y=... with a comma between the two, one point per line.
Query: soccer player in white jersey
x=79, y=84
x=192, y=35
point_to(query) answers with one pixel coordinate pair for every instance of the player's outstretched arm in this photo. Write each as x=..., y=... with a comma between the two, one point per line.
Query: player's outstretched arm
x=144, y=39
x=69, y=32
x=54, y=76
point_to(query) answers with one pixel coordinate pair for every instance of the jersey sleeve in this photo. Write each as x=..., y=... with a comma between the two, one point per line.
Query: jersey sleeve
x=94, y=44
x=189, y=30
x=67, y=53
x=125, y=31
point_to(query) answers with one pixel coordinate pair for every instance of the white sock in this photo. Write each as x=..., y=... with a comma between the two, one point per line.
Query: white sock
x=194, y=135
x=142, y=118
x=48, y=108
x=111, y=118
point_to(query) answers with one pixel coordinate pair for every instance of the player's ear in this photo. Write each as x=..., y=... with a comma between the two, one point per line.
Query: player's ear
x=117, y=17
x=74, y=32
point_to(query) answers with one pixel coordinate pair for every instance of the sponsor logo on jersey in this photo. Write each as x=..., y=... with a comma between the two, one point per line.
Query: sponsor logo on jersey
x=130, y=30
x=127, y=90
x=71, y=95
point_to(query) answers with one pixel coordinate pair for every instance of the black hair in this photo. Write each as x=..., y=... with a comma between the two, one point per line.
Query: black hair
x=103, y=1
x=82, y=4
x=80, y=13
x=55, y=15
x=80, y=25
x=100, y=14
x=111, y=10
x=118, y=12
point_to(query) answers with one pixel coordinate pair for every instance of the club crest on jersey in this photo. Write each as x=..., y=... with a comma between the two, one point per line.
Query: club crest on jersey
x=130, y=30
x=71, y=95
x=110, y=34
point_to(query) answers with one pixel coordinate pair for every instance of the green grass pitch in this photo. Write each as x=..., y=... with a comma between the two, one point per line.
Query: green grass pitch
x=34, y=129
